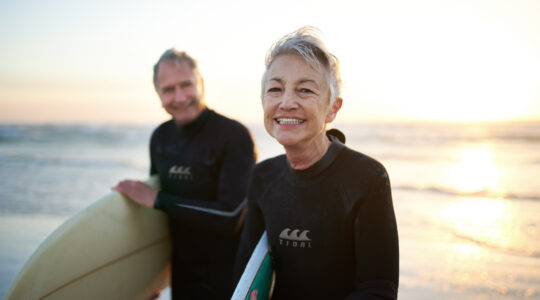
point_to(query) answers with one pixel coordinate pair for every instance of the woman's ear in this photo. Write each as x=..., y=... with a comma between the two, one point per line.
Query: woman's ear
x=336, y=106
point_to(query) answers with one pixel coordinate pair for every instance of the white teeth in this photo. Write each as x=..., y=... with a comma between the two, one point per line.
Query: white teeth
x=287, y=121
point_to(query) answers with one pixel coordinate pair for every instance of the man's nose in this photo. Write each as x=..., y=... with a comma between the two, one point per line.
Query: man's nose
x=180, y=95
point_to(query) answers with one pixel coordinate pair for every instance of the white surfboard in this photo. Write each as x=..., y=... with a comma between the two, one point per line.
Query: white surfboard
x=113, y=249
x=258, y=274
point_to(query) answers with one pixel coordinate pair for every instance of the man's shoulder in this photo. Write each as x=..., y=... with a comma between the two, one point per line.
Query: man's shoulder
x=225, y=122
x=228, y=130
x=164, y=127
x=167, y=124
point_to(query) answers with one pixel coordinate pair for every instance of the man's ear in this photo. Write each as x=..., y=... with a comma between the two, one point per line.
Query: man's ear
x=202, y=90
x=336, y=106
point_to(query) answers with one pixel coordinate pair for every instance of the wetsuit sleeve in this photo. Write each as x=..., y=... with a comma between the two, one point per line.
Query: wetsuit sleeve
x=253, y=229
x=224, y=213
x=376, y=245
x=153, y=170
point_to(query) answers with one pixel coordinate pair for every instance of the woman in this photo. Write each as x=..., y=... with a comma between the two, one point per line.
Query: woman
x=327, y=209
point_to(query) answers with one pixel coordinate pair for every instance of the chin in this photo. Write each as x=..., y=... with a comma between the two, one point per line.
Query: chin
x=287, y=141
x=182, y=120
x=184, y=117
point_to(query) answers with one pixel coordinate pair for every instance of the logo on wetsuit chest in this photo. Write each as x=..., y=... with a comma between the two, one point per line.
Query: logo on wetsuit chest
x=294, y=238
x=180, y=173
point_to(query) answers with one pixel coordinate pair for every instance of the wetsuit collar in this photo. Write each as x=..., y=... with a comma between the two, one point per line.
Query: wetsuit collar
x=331, y=154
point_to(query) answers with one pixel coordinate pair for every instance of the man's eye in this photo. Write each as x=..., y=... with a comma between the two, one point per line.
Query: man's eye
x=167, y=90
x=186, y=84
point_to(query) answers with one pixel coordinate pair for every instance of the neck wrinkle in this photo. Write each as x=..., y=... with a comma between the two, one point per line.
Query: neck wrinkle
x=301, y=158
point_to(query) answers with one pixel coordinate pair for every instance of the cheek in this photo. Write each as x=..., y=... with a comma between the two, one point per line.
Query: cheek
x=324, y=111
x=165, y=100
x=266, y=107
x=267, y=115
x=197, y=92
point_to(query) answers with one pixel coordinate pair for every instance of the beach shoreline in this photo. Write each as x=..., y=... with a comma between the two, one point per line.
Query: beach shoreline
x=460, y=236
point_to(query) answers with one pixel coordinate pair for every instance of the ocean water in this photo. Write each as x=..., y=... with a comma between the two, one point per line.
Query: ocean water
x=466, y=196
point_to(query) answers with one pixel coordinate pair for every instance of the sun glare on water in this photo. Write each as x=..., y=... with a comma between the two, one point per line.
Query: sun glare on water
x=479, y=219
x=482, y=216
x=482, y=229
x=476, y=171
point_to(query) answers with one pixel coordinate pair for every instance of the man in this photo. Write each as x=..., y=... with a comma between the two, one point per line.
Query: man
x=203, y=161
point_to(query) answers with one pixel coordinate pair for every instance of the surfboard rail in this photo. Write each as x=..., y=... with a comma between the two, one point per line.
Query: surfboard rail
x=112, y=249
x=258, y=274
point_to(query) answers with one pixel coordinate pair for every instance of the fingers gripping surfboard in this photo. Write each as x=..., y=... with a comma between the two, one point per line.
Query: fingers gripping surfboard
x=258, y=274
x=113, y=249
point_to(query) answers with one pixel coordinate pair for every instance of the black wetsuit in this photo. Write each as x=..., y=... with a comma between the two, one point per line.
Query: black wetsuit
x=204, y=168
x=331, y=227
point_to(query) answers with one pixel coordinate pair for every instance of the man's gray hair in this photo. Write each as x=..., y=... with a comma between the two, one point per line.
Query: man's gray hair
x=306, y=43
x=175, y=56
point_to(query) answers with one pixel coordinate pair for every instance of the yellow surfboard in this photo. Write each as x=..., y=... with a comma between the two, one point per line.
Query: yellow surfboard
x=113, y=249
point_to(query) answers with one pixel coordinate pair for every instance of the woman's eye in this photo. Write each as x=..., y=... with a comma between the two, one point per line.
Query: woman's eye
x=274, y=90
x=306, y=91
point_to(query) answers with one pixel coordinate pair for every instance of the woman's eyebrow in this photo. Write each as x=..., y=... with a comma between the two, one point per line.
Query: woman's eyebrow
x=304, y=80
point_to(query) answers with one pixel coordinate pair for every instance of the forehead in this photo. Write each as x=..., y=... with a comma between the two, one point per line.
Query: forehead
x=174, y=70
x=291, y=67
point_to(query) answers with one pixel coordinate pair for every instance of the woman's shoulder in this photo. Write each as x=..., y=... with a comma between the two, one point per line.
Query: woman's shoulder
x=271, y=166
x=361, y=162
x=267, y=173
x=276, y=162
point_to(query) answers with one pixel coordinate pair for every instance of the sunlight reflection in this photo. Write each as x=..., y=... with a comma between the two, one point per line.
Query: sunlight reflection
x=482, y=221
x=476, y=171
x=467, y=249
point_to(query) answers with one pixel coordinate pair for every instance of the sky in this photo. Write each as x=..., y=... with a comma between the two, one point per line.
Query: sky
x=91, y=61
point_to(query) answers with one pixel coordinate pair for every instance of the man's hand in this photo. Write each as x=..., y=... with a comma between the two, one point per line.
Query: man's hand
x=137, y=191
x=253, y=295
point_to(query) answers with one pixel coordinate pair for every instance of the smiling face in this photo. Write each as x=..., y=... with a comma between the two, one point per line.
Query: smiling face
x=296, y=103
x=180, y=90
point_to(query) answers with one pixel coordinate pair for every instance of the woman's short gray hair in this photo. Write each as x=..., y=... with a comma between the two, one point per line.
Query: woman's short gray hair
x=306, y=43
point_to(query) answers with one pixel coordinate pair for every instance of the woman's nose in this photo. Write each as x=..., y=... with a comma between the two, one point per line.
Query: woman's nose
x=288, y=101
